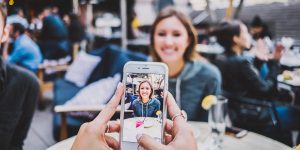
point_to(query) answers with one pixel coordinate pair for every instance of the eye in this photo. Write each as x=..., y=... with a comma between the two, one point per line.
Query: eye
x=161, y=34
x=176, y=34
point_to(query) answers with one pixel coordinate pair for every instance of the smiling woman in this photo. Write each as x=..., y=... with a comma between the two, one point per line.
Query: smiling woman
x=145, y=105
x=173, y=41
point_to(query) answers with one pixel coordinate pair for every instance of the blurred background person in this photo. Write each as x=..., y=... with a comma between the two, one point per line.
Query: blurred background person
x=53, y=40
x=263, y=46
x=240, y=77
x=17, y=16
x=19, y=91
x=25, y=52
x=76, y=30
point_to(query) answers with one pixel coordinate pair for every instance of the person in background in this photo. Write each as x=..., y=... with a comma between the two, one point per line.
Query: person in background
x=75, y=28
x=160, y=97
x=19, y=92
x=53, y=39
x=240, y=77
x=262, y=46
x=145, y=105
x=26, y=52
x=17, y=16
x=91, y=135
x=173, y=40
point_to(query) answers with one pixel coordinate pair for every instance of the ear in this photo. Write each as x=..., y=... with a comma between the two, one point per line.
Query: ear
x=5, y=34
x=235, y=39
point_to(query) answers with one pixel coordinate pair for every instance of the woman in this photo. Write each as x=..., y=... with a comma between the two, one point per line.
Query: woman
x=173, y=41
x=145, y=105
x=240, y=77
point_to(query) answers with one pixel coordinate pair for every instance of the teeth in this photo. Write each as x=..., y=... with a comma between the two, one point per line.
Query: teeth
x=169, y=50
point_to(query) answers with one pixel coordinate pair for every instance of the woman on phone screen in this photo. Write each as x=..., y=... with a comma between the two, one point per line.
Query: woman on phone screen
x=145, y=105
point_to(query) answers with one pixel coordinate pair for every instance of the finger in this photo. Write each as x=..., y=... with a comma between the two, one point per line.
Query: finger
x=169, y=126
x=110, y=109
x=114, y=126
x=168, y=138
x=172, y=106
x=111, y=142
x=173, y=109
x=149, y=143
x=179, y=122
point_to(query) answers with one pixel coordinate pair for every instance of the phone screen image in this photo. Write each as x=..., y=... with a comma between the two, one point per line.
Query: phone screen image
x=144, y=105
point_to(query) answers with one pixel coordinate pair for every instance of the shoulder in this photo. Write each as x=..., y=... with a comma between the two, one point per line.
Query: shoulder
x=136, y=101
x=224, y=61
x=208, y=70
x=239, y=59
x=22, y=75
x=155, y=101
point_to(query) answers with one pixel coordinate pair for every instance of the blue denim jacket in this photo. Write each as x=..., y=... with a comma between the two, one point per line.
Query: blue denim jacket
x=149, y=109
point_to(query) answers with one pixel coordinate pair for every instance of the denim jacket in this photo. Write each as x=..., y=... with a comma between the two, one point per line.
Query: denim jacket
x=148, y=109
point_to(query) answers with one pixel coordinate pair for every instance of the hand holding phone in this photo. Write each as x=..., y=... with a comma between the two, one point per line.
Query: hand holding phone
x=91, y=135
x=145, y=86
x=179, y=132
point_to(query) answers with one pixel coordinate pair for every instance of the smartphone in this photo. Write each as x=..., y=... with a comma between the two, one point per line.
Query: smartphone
x=143, y=106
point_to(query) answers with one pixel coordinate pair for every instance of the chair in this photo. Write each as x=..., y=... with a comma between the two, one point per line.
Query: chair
x=112, y=62
x=58, y=69
x=289, y=119
x=47, y=85
x=252, y=114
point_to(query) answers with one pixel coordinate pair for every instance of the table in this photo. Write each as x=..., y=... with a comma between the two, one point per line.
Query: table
x=290, y=60
x=151, y=126
x=251, y=141
x=209, y=49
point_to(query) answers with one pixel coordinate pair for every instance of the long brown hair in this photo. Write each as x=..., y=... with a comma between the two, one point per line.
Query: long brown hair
x=190, y=52
x=151, y=94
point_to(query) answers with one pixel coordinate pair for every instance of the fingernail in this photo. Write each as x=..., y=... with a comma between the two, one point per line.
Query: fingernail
x=138, y=136
x=119, y=85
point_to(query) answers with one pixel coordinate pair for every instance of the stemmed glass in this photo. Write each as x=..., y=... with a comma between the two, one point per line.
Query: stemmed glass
x=216, y=121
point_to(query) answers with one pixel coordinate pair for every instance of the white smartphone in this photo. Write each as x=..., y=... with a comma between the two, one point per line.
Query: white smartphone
x=143, y=108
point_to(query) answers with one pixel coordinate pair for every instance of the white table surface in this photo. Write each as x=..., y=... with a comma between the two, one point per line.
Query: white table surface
x=151, y=126
x=209, y=49
x=251, y=141
x=294, y=82
x=290, y=60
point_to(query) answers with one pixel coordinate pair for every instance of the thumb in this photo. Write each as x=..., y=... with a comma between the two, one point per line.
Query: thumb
x=148, y=142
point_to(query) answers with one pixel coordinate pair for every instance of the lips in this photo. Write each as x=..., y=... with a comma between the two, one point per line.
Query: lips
x=169, y=51
x=144, y=94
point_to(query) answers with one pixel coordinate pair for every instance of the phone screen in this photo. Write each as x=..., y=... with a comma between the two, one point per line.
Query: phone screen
x=144, y=106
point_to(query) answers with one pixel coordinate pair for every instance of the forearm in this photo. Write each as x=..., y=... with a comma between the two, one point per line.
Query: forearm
x=5, y=51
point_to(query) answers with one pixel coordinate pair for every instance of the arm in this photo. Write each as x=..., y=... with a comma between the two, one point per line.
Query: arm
x=16, y=56
x=5, y=49
x=253, y=80
x=28, y=107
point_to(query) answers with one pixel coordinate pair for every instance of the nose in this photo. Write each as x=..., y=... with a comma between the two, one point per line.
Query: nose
x=169, y=40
